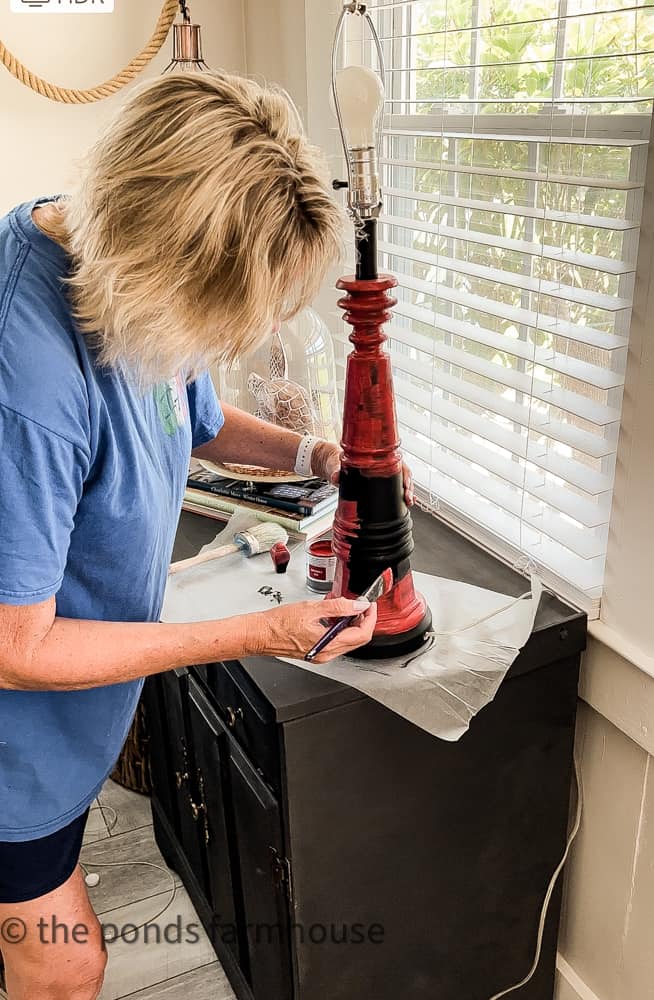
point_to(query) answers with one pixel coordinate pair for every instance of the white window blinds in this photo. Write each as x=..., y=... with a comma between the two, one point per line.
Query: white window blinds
x=515, y=150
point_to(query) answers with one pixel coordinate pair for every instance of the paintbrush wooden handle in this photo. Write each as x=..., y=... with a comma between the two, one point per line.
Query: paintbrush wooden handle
x=222, y=550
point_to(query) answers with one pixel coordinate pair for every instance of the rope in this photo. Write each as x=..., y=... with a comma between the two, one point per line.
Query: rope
x=69, y=95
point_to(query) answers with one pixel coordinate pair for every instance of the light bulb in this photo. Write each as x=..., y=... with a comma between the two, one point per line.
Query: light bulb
x=361, y=98
x=358, y=101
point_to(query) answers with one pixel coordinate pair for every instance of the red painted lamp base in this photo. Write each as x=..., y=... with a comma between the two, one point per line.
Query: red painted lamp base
x=372, y=526
x=403, y=618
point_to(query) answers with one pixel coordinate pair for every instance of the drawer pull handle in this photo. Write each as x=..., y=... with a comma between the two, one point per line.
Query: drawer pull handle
x=233, y=715
x=182, y=776
x=200, y=809
x=196, y=809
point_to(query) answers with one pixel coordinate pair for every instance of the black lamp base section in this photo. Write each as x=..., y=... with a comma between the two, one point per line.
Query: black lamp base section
x=366, y=248
x=383, y=647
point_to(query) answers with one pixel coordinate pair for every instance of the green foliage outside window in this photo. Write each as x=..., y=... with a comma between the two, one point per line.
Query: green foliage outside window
x=506, y=64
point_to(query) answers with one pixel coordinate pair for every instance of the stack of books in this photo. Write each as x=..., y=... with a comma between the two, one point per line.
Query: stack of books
x=303, y=508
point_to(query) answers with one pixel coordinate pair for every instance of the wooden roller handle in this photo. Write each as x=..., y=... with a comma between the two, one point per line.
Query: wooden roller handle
x=222, y=550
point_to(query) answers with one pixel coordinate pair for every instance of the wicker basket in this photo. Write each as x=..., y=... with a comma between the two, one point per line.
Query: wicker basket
x=132, y=768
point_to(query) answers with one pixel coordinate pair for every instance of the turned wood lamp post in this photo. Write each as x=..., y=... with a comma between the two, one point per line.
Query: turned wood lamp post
x=372, y=526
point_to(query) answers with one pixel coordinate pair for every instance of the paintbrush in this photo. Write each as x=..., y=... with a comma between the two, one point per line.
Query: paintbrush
x=251, y=542
x=381, y=586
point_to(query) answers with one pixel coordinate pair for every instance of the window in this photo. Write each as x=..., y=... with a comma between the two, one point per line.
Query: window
x=515, y=148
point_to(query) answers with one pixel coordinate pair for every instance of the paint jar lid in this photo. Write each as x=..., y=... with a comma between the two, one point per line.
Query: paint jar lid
x=320, y=547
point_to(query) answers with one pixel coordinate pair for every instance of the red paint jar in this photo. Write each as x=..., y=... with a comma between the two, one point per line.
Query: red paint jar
x=321, y=565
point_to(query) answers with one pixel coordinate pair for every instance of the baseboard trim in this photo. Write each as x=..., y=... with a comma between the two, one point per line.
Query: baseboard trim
x=576, y=988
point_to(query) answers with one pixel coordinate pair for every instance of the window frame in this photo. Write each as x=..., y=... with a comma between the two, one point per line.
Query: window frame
x=630, y=127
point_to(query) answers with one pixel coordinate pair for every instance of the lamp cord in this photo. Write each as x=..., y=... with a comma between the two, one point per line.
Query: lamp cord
x=69, y=95
x=576, y=825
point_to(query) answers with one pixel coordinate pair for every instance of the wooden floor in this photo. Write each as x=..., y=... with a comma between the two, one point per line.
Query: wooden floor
x=171, y=957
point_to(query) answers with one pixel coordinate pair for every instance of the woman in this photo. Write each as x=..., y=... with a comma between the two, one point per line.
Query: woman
x=202, y=220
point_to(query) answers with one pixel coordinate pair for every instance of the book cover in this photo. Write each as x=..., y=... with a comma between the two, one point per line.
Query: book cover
x=221, y=508
x=307, y=499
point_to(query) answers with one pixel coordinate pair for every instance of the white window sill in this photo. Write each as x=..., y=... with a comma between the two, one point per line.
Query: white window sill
x=617, y=680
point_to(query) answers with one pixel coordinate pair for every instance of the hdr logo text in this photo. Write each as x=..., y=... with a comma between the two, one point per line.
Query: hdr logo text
x=61, y=6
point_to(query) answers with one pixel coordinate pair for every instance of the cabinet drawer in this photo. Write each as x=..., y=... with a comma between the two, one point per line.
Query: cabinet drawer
x=247, y=716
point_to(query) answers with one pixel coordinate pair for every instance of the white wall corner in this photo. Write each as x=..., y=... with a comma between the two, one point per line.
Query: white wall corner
x=618, y=687
x=626, y=602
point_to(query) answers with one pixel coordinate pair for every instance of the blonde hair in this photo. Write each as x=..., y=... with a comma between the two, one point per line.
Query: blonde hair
x=203, y=216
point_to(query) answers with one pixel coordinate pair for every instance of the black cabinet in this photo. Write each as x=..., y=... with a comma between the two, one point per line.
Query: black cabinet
x=174, y=769
x=264, y=880
x=335, y=852
x=211, y=754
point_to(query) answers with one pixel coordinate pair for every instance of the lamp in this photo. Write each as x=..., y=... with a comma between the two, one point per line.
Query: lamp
x=372, y=525
x=187, y=45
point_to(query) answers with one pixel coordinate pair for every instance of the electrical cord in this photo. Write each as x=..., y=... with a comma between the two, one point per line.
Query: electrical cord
x=91, y=863
x=550, y=889
x=101, y=808
x=480, y=621
x=126, y=864
x=432, y=636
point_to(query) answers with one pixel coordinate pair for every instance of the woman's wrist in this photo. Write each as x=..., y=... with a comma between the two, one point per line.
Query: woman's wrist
x=325, y=460
x=307, y=445
x=256, y=634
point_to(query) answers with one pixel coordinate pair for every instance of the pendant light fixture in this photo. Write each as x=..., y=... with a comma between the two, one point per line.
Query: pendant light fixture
x=187, y=45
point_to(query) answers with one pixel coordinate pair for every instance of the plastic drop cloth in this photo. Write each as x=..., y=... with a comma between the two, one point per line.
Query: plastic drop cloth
x=439, y=688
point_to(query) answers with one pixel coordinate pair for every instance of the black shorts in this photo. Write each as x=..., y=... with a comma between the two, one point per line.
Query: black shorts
x=32, y=868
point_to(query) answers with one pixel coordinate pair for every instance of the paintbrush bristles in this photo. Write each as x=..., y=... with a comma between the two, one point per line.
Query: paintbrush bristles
x=260, y=538
x=252, y=541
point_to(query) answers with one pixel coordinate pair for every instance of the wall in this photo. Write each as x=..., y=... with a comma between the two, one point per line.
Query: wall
x=605, y=944
x=275, y=45
x=41, y=141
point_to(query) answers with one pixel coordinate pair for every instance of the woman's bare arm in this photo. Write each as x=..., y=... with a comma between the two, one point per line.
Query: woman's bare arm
x=250, y=441
x=39, y=651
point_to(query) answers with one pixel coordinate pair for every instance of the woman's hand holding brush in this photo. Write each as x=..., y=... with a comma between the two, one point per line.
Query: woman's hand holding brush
x=294, y=629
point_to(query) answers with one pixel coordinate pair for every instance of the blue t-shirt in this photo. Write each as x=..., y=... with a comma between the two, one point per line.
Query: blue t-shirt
x=92, y=475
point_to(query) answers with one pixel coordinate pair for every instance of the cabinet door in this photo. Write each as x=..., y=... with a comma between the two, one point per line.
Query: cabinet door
x=160, y=738
x=174, y=690
x=265, y=882
x=211, y=751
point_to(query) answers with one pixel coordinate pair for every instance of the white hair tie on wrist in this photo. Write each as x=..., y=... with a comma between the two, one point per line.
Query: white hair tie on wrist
x=303, y=457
